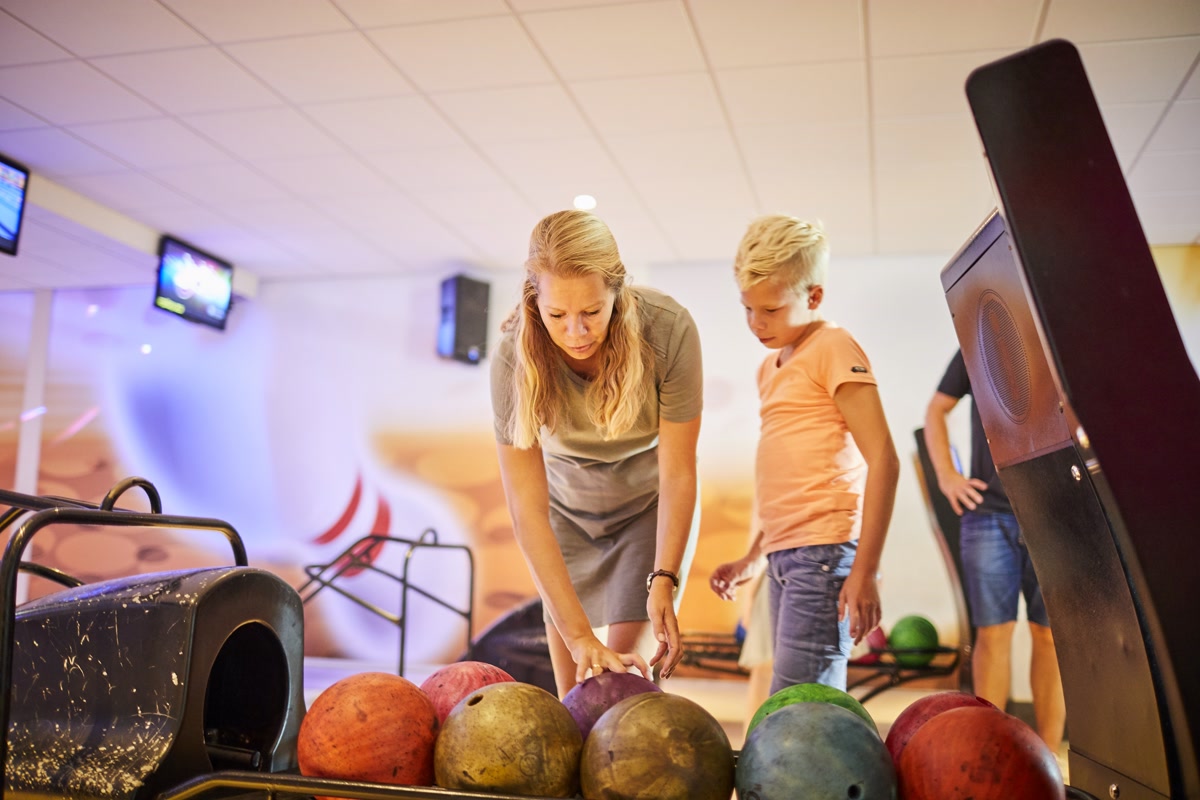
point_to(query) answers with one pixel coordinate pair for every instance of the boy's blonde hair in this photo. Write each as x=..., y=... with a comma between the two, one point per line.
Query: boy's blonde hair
x=786, y=249
x=570, y=244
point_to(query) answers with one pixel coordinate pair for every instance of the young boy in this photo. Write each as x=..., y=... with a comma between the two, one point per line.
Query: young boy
x=826, y=469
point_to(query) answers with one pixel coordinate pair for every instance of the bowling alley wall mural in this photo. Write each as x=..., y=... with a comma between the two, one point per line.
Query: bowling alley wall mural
x=322, y=414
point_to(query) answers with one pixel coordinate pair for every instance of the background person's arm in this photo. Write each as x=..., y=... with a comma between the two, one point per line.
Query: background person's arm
x=962, y=492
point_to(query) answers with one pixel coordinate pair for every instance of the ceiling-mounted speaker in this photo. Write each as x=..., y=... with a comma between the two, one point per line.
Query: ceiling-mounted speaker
x=463, y=327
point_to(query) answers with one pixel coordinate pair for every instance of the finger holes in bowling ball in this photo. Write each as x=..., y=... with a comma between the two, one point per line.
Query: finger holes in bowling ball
x=854, y=792
x=475, y=700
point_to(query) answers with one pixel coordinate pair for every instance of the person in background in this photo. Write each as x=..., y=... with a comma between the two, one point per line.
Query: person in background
x=596, y=395
x=996, y=564
x=826, y=468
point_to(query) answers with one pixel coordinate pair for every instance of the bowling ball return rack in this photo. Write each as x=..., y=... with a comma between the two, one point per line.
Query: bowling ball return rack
x=163, y=686
x=363, y=557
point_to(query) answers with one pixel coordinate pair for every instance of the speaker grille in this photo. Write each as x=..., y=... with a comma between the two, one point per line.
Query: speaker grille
x=1004, y=356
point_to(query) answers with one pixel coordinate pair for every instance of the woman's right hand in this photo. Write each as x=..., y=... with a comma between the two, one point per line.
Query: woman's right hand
x=730, y=575
x=591, y=658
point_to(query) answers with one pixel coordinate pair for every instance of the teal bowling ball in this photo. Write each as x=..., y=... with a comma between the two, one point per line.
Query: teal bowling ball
x=814, y=751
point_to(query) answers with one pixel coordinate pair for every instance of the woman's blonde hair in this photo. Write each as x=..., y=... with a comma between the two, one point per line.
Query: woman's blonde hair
x=571, y=244
x=782, y=248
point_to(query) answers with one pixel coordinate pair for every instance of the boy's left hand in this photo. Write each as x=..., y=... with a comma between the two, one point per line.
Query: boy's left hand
x=859, y=599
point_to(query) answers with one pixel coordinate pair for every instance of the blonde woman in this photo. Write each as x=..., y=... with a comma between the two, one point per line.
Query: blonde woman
x=596, y=392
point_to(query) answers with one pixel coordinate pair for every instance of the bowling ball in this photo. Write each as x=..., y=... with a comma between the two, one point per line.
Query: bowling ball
x=589, y=700
x=866, y=652
x=810, y=693
x=981, y=753
x=372, y=726
x=660, y=745
x=814, y=751
x=921, y=711
x=509, y=738
x=451, y=683
x=913, y=632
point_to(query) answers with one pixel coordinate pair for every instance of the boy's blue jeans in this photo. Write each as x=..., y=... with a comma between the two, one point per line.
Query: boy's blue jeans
x=811, y=644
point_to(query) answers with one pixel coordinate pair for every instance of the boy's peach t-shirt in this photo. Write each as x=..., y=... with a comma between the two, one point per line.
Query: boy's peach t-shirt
x=809, y=475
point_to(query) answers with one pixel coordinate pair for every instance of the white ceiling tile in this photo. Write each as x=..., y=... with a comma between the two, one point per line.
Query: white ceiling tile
x=398, y=226
x=438, y=169
x=1107, y=20
x=1191, y=89
x=189, y=80
x=1133, y=72
x=339, y=252
x=904, y=28
x=149, y=143
x=834, y=189
x=1180, y=128
x=374, y=14
x=325, y=176
x=699, y=234
x=567, y=166
x=264, y=133
x=245, y=20
x=757, y=33
x=547, y=5
x=1158, y=173
x=22, y=45
x=650, y=104
x=224, y=184
x=957, y=195
x=13, y=118
x=69, y=92
x=1128, y=125
x=325, y=68
x=387, y=124
x=123, y=191
x=523, y=113
x=466, y=54
x=496, y=221
x=276, y=219
x=184, y=219
x=640, y=239
x=617, y=41
x=830, y=93
x=927, y=139
x=1169, y=218
x=55, y=153
x=105, y=27
x=920, y=85
x=698, y=168
x=771, y=147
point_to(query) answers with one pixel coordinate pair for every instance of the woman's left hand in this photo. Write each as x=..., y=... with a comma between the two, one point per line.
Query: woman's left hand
x=661, y=608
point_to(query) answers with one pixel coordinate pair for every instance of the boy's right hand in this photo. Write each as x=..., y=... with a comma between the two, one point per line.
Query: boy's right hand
x=730, y=575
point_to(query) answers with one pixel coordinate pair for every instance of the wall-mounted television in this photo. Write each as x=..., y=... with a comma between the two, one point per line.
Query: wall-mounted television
x=14, y=183
x=193, y=284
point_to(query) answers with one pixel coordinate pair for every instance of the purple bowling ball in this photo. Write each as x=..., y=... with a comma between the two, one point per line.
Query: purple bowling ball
x=587, y=701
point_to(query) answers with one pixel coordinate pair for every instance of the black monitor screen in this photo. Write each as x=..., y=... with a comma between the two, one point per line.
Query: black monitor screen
x=193, y=284
x=14, y=183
